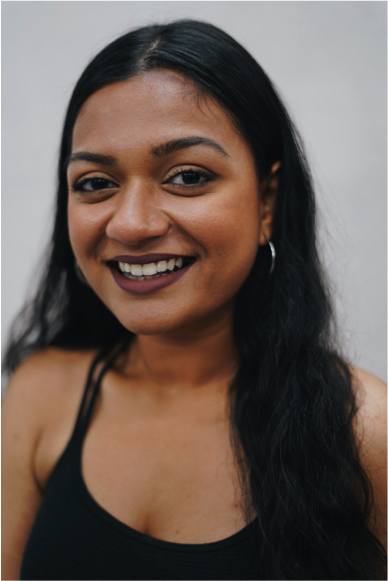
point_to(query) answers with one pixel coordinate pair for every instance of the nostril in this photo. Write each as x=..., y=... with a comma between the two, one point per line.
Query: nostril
x=130, y=229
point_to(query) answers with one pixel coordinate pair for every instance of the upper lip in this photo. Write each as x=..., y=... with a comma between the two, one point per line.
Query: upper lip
x=144, y=258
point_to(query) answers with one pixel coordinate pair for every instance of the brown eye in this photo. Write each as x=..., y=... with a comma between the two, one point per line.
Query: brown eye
x=93, y=185
x=188, y=178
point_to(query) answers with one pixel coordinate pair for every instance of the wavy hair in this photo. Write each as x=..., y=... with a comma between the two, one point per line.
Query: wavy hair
x=292, y=399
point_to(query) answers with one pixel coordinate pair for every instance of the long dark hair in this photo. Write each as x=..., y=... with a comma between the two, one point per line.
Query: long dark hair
x=292, y=398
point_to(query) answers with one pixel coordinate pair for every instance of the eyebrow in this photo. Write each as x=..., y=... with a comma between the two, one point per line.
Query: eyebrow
x=108, y=160
x=184, y=143
x=158, y=151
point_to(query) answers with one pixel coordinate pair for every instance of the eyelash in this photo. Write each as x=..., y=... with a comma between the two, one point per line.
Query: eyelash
x=78, y=186
x=198, y=172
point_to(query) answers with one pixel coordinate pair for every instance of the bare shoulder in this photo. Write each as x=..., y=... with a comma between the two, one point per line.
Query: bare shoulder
x=44, y=380
x=371, y=419
x=42, y=398
x=51, y=363
x=37, y=417
x=371, y=435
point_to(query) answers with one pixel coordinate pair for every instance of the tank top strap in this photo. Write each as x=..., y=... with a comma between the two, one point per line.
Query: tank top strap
x=90, y=393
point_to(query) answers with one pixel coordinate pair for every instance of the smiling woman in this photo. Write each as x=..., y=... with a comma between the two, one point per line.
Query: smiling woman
x=178, y=408
x=182, y=199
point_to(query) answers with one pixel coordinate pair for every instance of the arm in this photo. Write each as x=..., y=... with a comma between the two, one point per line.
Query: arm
x=371, y=433
x=21, y=495
x=38, y=413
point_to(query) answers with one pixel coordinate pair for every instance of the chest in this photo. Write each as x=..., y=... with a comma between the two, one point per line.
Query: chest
x=173, y=478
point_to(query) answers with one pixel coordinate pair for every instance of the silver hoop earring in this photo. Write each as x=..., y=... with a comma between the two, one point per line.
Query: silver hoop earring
x=79, y=273
x=273, y=255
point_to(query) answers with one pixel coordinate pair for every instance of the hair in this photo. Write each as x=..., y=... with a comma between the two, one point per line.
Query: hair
x=292, y=399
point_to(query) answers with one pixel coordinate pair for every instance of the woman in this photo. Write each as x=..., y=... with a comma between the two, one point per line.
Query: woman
x=179, y=409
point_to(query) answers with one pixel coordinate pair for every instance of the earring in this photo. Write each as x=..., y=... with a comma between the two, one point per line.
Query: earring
x=273, y=255
x=79, y=273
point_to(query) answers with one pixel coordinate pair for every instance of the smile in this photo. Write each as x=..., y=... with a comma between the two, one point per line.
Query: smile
x=136, y=276
x=152, y=270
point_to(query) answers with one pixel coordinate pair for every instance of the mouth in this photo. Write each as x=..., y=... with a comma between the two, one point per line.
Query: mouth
x=152, y=270
x=144, y=274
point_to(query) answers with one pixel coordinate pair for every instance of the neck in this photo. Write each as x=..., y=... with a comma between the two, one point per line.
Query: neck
x=200, y=356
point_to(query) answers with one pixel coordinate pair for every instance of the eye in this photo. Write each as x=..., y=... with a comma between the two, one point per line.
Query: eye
x=93, y=184
x=190, y=178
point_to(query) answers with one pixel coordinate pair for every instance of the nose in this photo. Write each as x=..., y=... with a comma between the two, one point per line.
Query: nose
x=137, y=216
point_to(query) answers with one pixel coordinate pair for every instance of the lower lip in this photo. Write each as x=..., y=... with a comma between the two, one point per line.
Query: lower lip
x=140, y=287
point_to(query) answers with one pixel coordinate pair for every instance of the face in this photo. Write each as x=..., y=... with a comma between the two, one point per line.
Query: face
x=165, y=210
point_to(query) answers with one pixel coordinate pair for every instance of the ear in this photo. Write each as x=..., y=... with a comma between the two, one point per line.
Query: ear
x=268, y=193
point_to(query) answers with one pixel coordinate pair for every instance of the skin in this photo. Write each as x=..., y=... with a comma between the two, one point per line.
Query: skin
x=218, y=223
x=157, y=454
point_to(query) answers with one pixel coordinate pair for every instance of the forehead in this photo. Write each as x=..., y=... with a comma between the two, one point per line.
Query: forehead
x=150, y=108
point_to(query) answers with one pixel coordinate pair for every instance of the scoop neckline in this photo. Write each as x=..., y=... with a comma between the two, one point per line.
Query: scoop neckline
x=111, y=520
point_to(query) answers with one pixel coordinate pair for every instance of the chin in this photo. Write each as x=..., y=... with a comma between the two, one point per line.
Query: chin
x=149, y=325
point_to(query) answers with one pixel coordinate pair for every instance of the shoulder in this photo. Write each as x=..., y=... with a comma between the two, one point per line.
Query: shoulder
x=371, y=418
x=44, y=391
x=47, y=371
x=46, y=377
x=371, y=437
x=45, y=388
x=51, y=362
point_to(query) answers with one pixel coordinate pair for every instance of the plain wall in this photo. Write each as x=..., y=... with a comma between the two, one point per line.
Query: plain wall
x=328, y=61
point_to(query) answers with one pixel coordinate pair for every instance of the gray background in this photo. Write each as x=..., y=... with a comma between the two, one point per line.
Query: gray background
x=327, y=59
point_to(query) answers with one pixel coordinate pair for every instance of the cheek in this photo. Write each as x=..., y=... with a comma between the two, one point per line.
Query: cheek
x=236, y=243
x=77, y=231
x=228, y=230
x=84, y=229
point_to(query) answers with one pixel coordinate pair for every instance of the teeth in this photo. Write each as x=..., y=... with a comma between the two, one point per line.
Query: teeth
x=137, y=269
x=147, y=271
x=162, y=266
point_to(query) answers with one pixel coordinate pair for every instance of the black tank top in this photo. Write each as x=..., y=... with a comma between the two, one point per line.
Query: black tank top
x=73, y=537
